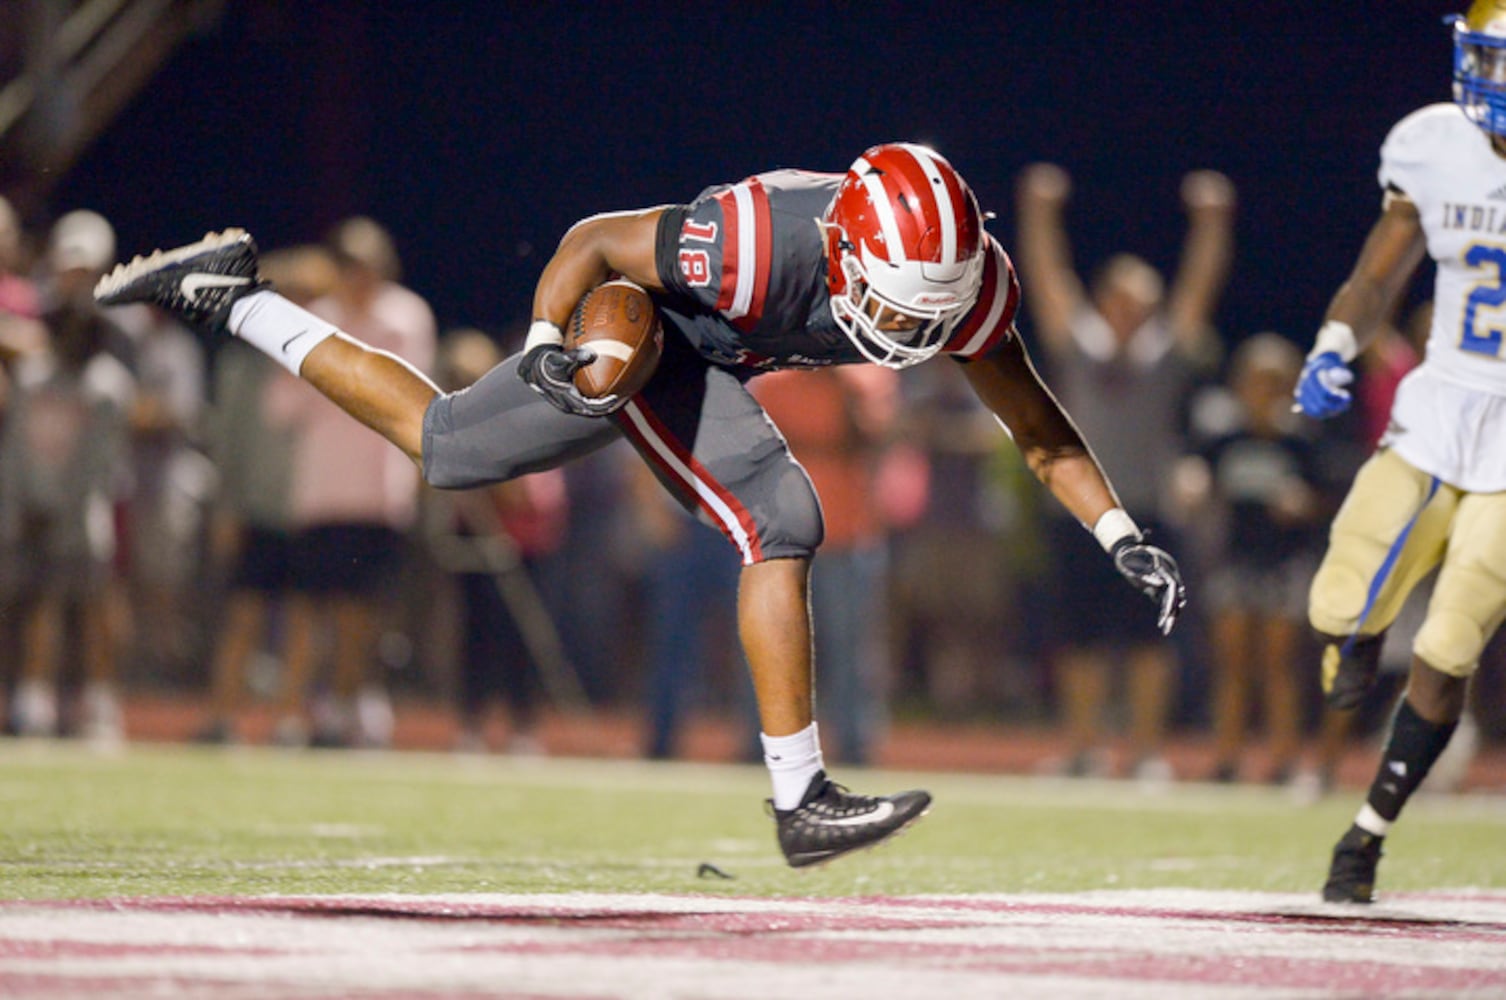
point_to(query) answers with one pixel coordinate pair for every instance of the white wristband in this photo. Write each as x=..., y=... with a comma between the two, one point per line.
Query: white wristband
x=1337, y=337
x=280, y=329
x=1114, y=526
x=541, y=331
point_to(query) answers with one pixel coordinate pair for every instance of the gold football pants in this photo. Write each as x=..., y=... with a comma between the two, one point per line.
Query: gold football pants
x=1462, y=534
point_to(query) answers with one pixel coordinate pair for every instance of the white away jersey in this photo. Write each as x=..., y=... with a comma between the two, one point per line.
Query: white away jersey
x=1445, y=165
x=1449, y=418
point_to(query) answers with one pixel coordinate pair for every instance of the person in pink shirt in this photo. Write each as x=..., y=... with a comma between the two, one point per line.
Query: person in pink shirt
x=354, y=498
x=18, y=295
x=21, y=329
x=1394, y=352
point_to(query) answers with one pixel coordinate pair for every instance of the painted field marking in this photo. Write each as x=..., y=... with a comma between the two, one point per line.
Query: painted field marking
x=1152, y=943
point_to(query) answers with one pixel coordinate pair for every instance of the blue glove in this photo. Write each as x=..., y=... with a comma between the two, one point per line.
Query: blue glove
x=1321, y=391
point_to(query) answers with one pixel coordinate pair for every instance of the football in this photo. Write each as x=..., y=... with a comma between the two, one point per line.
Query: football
x=618, y=321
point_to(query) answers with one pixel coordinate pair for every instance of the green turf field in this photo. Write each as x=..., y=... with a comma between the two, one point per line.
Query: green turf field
x=168, y=820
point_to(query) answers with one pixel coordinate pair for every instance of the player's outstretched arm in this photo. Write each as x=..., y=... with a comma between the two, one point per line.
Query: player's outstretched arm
x=1053, y=448
x=1055, y=451
x=1392, y=250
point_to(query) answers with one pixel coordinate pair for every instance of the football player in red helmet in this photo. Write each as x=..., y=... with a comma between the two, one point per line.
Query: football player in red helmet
x=886, y=262
x=904, y=253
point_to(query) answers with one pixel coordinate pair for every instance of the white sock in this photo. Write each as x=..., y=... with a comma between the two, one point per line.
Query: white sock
x=792, y=761
x=283, y=331
x=1372, y=822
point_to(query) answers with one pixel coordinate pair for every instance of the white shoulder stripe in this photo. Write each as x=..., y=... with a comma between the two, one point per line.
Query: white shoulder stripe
x=996, y=307
x=747, y=252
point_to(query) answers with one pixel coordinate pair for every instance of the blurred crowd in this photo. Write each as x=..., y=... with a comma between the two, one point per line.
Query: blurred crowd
x=183, y=517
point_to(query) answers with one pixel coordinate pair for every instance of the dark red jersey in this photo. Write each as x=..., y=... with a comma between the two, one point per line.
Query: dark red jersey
x=745, y=270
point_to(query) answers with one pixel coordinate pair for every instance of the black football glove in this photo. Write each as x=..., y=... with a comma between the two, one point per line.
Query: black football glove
x=1154, y=573
x=550, y=370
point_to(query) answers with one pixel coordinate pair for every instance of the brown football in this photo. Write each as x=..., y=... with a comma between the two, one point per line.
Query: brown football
x=618, y=321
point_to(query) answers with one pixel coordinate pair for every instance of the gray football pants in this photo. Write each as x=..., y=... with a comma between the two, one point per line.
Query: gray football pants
x=706, y=438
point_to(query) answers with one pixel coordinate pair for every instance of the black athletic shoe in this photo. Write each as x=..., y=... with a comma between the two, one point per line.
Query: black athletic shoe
x=1351, y=876
x=831, y=821
x=196, y=283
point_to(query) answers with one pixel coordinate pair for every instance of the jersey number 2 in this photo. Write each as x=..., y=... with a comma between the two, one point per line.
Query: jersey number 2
x=1482, y=338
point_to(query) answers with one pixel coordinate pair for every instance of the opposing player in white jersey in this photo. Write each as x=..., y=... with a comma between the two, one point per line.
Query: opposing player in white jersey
x=888, y=262
x=1434, y=493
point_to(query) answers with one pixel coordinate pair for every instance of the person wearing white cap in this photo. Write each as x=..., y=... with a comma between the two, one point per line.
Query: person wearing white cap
x=61, y=462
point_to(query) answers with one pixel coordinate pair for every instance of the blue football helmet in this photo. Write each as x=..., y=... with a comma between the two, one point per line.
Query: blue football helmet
x=1480, y=64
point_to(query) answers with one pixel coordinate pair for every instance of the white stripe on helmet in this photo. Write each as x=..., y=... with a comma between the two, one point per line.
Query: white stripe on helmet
x=747, y=252
x=946, y=212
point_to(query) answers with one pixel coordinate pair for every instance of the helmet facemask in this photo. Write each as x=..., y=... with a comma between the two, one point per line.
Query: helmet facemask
x=905, y=253
x=893, y=313
x=1480, y=66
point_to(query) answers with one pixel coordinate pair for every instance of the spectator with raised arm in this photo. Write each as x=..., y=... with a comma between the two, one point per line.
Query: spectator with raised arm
x=1122, y=353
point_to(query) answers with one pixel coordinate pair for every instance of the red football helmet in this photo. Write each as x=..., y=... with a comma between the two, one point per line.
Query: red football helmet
x=904, y=253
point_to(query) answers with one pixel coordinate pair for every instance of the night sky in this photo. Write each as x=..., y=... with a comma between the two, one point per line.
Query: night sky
x=477, y=132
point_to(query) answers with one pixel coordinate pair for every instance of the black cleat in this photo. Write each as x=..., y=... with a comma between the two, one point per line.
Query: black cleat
x=831, y=821
x=197, y=283
x=1351, y=875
